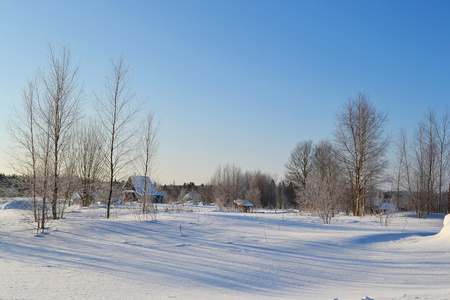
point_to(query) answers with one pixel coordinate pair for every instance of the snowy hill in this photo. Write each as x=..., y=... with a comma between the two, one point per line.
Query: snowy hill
x=209, y=254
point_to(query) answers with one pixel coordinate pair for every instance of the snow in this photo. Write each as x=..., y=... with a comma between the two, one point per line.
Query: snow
x=192, y=197
x=243, y=203
x=204, y=253
x=444, y=234
x=142, y=183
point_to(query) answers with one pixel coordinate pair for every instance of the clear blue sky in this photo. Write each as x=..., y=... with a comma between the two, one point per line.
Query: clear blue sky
x=239, y=81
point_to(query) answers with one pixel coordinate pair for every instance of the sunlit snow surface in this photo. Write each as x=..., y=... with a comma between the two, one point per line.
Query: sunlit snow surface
x=204, y=253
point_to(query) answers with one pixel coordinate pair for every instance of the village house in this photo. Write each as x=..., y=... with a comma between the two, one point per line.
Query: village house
x=244, y=206
x=137, y=187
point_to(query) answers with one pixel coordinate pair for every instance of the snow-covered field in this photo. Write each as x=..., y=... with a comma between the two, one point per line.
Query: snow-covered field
x=208, y=254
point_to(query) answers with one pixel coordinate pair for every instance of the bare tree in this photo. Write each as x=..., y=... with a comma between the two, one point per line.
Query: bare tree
x=419, y=171
x=59, y=108
x=400, y=165
x=253, y=193
x=324, y=189
x=430, y=160
x=68, y=179
x=22, y=129
x=207, y=193
x=229, y=185
x=147, y=158
x=361, y=144
x=443, y=145
x=31, y=155
x=117, y=108
x=299, y=166
x=44, y=153
x=90, y=160
x=422, y=166
x=425, y=161
x=265, y=184
x=414, y=156
x=285, y=195
x=405, y=156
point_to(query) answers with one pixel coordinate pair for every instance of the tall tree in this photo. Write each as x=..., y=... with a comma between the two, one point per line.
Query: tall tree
x=431, y=158
x=117, y=108
x=425, y=161
x=299, y=166
x=324, y=189
x=253, y=193
x=148, y=150
x=90, y=160
x=400, y=165
x=361, y=144
x=443, y=145
x=22, y=129
x=59, y=108
x=229, y=185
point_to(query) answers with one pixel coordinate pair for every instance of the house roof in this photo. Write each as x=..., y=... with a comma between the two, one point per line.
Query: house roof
x=139, y=184
x=243, y=203
x=191, y=196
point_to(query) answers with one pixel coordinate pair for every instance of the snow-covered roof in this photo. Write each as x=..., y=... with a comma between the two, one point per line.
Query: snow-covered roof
x=139, y=183
x=191, y=196
x=243, y=203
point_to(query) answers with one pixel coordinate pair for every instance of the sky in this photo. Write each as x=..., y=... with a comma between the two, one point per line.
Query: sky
x=238, y=82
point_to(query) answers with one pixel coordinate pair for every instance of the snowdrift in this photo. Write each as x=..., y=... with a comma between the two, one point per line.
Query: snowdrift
x=445, y=231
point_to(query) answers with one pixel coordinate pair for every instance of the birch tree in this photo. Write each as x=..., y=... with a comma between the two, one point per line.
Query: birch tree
x=22, y=129
x=252, y=191
x=430, y=158
x=229, y=185
x=324, y=189
x=117, y=107
x=299, y=166
x=59, y=108
x=44, y=168
x=90, y=160
x=400, y=165
x=425, y=159
x=30, y=148
x=361, y=144
x=148, y=145
x=443, y=144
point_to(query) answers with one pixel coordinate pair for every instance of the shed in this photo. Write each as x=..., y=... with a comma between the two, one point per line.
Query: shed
x=137, y=186
x=192, y=198
x=243, y=205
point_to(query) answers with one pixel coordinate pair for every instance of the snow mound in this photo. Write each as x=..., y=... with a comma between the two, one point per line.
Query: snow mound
x=445, y=231
x=447, y=220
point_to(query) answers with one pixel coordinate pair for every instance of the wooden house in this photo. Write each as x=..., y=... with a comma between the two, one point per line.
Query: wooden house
x=137, y=187
x=244, y=206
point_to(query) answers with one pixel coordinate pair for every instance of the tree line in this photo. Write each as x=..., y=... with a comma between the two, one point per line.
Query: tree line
x=352, y=172
x=60, y=150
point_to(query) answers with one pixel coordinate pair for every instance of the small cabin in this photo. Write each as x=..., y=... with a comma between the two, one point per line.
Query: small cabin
x=243, y=205
x=137, y=187
x=192, y=198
